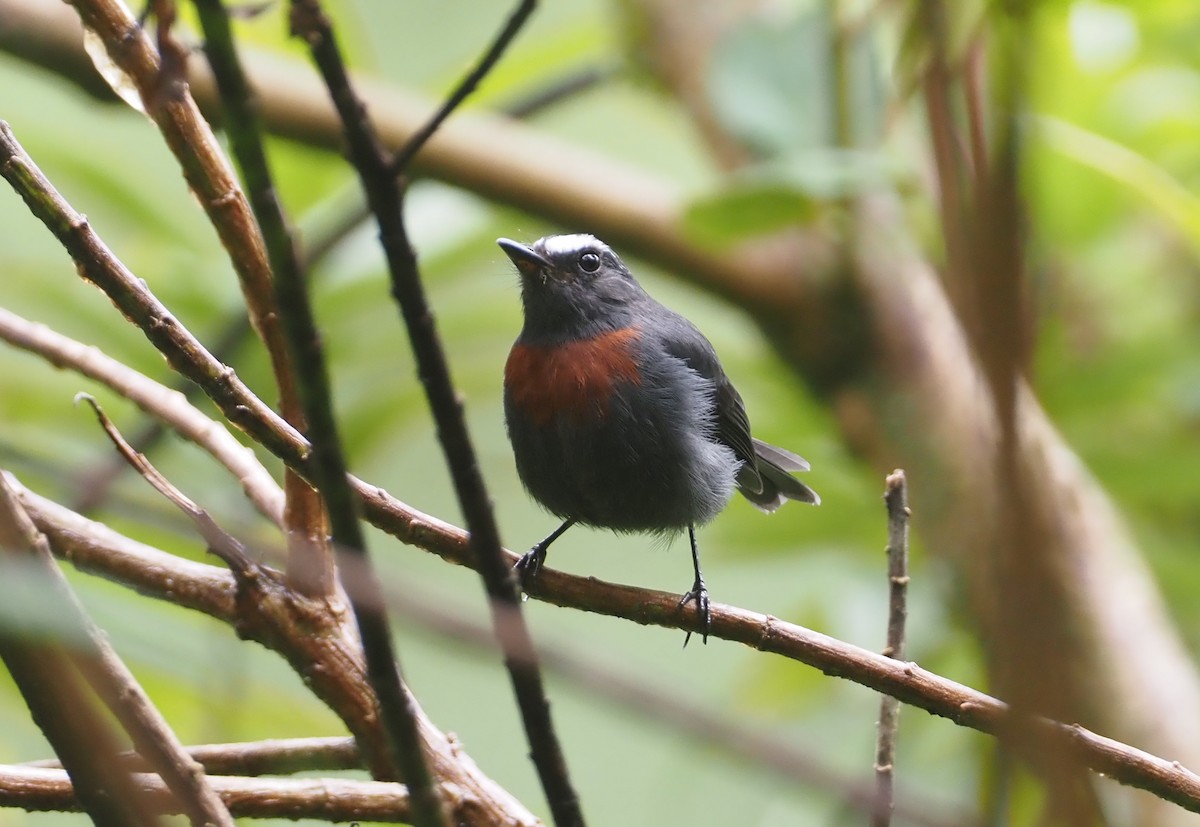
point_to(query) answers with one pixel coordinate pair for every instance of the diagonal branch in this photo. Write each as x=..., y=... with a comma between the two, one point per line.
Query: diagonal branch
x=118, y=687
x=163, y=403
x=516, y=21
x=57, y=696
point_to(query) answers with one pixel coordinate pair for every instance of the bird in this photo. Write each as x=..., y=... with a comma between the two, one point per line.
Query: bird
x=619, y=412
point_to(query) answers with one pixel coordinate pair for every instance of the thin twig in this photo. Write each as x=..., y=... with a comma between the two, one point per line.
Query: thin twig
x=310, y=562
x=323, y=799
x=895, y=497
x=386, y=201
x=271, y=757
x=164, y=404
x=516, y=21
x=219, y=542
x=558, y=89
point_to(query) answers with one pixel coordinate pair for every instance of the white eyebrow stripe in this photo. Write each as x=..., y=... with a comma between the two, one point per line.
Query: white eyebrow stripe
x=557, y=245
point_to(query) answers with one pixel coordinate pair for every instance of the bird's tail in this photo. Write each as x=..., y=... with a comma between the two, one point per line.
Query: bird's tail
x=775, y=467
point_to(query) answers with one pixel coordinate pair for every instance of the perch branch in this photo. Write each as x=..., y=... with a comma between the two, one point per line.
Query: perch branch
x=907, y=682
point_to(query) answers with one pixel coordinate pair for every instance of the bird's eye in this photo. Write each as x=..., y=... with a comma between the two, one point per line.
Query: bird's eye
x=589, y=262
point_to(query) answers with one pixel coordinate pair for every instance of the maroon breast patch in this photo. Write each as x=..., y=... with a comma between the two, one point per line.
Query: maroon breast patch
x=573, y=379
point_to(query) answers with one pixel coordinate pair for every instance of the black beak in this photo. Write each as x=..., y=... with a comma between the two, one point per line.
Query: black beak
x=528, y=262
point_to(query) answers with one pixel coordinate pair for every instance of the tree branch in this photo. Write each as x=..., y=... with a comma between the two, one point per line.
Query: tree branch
x=56, y=694
x=325, y=799
x=271, y=757
x=160, y=402
x=168, y=102
x=895, y=498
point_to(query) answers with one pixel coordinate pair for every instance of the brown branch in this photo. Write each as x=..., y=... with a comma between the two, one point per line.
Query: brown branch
x=906, y=681
x=57, y=696
x=219, y=542
x=116, y=685
x=664, y=707
x=325, y=799
x=169, y=104
x=271, y=757
x=97, y=549
x=895, y=498
x=169, y=406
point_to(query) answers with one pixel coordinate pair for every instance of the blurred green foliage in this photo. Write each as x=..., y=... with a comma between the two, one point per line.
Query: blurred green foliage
x=1118, y=296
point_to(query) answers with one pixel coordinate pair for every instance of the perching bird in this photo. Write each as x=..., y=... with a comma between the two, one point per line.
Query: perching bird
x=618, y=410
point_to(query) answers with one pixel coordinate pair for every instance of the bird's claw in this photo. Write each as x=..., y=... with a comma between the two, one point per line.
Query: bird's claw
x=530, y=564
x=698, y=594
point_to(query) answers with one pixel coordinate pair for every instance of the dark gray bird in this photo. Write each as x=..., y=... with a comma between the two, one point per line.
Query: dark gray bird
x=618, y=410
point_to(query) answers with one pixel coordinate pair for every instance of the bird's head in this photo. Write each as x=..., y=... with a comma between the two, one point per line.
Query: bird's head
x=573, y=286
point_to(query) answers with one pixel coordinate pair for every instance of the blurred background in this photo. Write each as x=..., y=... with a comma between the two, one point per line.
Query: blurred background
x=760, y=119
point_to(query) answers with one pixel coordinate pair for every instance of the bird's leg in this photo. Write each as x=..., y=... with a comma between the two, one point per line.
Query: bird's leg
x=698, y=592
x=531, y=562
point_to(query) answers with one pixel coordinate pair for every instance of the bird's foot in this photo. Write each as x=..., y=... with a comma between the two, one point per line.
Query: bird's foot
x=530, y=564
x=698, y=594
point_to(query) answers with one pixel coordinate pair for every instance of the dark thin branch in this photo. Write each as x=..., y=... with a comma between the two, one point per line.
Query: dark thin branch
x=386, y=201
x=328, y=463
x=516, y=21
x=310, y=562
x=165, y=94
x=895, y=497
x=558, y=89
